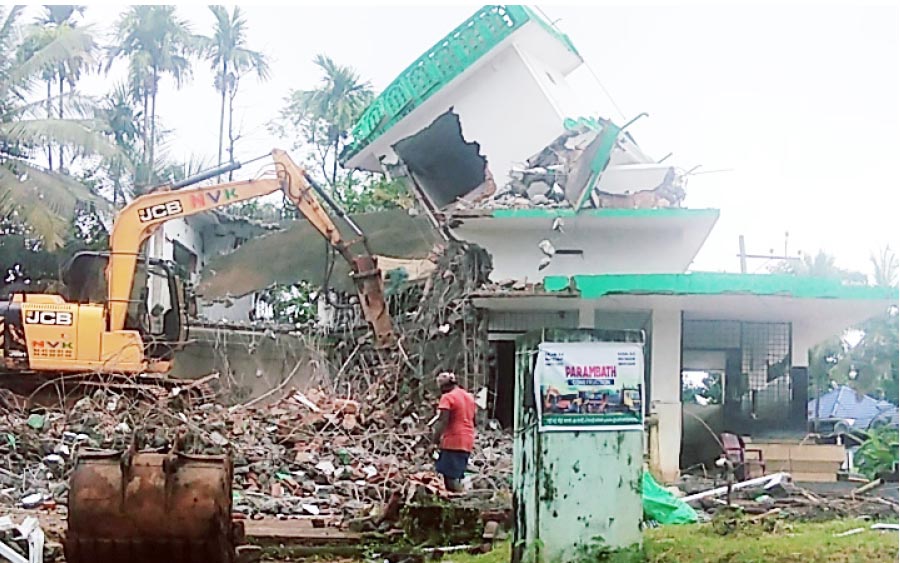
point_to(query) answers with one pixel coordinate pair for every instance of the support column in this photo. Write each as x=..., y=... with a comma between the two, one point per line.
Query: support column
x=587, y=316
x=800, y=345
x=665, y=390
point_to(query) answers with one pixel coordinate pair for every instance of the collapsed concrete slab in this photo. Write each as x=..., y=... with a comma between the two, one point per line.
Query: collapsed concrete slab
x=298, y=253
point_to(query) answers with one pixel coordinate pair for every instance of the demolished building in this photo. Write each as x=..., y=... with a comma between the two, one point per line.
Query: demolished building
x=585, y=230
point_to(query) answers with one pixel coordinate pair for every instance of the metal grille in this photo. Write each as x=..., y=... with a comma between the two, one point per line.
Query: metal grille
x=711, y=335
x=766, y=352
x=757, y=374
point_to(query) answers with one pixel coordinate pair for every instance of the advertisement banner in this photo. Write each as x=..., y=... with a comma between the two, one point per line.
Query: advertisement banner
x=589, y=386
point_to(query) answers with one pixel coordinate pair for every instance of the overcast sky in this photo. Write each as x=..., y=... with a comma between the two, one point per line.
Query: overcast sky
x=800, y=102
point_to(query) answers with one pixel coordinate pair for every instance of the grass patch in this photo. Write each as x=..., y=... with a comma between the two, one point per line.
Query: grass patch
x=500, y=554
x=782, y=542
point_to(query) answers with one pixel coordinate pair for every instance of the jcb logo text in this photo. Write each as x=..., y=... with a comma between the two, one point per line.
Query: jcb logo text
x=159, y=211
x=48, y=318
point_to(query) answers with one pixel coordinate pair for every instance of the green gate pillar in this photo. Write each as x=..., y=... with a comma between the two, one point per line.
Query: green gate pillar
x=576, y=492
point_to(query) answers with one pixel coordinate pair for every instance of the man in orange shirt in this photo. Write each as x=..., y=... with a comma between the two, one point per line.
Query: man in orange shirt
x=454, y=430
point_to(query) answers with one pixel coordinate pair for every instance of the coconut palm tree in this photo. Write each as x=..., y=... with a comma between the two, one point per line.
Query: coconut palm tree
x=884, y=265
x=331, y=110
x=230, y=58
x=58, y=22
x=118, y=111
x=43, y=199
x=156, y=42
x=821, y=265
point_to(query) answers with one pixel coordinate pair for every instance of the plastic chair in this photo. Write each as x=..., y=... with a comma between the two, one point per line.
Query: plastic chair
x=737, y=452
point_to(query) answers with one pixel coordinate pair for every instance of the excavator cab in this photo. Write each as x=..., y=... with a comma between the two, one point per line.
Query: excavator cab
x=156, y=308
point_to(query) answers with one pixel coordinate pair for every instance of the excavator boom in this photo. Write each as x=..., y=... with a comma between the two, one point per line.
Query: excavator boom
x=137, y=221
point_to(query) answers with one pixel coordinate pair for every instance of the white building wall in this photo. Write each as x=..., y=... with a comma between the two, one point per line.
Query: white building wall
x=515, y=253
x=554, y=85
x=206, y=238
x=235, y=310
x=222, y=239
x=501, y=106
x=802, y=339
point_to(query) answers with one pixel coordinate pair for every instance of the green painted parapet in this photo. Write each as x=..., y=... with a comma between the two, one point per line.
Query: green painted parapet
x=446, y=60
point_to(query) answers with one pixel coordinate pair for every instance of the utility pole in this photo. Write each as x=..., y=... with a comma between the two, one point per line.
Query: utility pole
x=743, y=254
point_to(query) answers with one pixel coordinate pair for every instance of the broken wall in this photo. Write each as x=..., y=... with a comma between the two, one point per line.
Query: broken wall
x=500, y=105
x=250, y=363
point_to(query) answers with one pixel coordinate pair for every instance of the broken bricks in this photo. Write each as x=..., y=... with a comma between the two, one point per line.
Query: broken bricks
x=316, y=457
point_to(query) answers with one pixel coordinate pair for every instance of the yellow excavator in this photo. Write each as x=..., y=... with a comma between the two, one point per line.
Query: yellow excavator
x=160, y=505
x=89, y=332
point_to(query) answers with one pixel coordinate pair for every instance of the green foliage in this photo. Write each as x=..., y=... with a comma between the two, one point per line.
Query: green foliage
x=292, y=303
x=794, y=542
x=820, y=265
x=879, y=453
x=155, y=42
x=31, y=193
x=871, y=365
x=318, y=122
x=27, y=261
x=375, y=193
x=256, y=210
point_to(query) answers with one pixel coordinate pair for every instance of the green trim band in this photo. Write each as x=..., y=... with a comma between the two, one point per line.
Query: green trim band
x=711, y=283
x=447, y=59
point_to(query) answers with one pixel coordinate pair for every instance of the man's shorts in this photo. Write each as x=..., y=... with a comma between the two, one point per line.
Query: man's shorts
x=452, y=463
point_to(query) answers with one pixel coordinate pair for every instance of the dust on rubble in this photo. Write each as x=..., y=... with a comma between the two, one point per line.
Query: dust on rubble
x=312, y=456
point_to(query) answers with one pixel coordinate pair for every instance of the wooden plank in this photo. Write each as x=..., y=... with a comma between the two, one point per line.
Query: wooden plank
x=802, y=466
x=288, y=531
x=810, y=452
x=814, y=477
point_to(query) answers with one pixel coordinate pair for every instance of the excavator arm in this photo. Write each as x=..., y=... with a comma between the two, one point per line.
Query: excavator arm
x=298, y=187
x=139, y=219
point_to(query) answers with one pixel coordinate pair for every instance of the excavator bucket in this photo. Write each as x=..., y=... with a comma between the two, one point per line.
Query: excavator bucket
x=142, y=506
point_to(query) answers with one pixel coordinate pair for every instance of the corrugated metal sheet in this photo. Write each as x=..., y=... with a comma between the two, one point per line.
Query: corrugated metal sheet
x=846, y=403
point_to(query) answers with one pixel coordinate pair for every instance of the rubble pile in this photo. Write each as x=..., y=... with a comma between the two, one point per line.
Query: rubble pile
x=308, y=454
x=542, y=182
x=788, y=500
x=556, y=176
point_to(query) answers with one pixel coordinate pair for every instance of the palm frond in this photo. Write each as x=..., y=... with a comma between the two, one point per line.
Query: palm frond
x=67, y=44
x=46, y=201
x=74, y=104
x=8, y=28
x=83, y=135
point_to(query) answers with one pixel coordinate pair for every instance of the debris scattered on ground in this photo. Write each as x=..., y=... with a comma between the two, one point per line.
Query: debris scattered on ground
x=778, y=495
x=308, y=455
x=25, y=542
